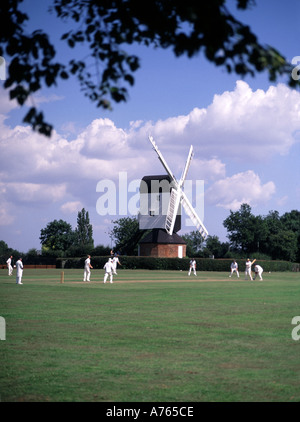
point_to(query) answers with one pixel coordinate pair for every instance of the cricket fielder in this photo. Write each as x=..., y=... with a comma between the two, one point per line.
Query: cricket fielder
x=192, y=267
x=19, y=265
x=108, y=271
x=258, y=272
x=87, y=269
x=234, y=268
x=9, y=266
x=115, y=261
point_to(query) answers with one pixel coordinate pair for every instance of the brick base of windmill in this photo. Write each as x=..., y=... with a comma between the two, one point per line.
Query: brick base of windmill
x=159, y=244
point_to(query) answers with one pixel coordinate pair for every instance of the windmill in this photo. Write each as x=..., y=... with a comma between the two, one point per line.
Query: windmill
x=178, y=197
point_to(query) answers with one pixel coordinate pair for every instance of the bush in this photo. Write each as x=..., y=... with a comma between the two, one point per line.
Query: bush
x=31, y=259
x=152, y=263
x=97, y=262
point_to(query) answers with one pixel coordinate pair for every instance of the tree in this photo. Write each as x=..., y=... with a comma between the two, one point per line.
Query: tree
x=101, y=250
x=56, y=237
x=126, y=234
x=6, y=251
x=241, y=228
x=84, y=230
x=214, y=247
x=273, y=226
x=282, y=235
x=194, y=243
x=83, y=243
x=3, y=247
x=283, y=245
x=291, y=221
x=278, y=237
x=187, y=27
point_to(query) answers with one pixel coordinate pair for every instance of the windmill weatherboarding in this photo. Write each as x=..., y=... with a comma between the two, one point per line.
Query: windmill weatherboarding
x=178, y=197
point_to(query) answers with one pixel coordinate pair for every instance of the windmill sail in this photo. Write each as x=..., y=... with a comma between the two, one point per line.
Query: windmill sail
x=193, y=216
x=175, y=197
x=172, y=210
x=162, y=160
x=178, y=197
x=187, y=165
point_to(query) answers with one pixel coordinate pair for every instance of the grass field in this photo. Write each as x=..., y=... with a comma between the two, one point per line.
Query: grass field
x=152, y=336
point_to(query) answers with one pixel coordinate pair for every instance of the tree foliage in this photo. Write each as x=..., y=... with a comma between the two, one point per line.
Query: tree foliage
x=84, y=230
x=244, y=229
x=83, y=242
x=215, y=248
x=194, y=243
x=105, y=28
x=278, y=237
x=57, y=237
x=126, y=234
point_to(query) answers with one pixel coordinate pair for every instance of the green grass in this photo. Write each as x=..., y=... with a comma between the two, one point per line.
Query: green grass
x=167, y=337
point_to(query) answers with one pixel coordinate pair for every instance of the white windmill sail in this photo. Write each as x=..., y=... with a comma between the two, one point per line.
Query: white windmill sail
x=178, y=197
x=162, y=160
x=187, y=166
x=172, y=210
x=193, y=216
x=175, y=197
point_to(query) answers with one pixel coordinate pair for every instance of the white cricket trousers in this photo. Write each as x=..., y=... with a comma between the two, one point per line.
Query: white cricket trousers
x=86, y=274
x=19, y=280
x=110, y=277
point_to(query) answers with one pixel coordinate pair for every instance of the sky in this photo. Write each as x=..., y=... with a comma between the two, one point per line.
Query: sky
x=245, y=135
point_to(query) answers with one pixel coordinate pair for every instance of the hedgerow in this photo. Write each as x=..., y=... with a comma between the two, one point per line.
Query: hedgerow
x=152, y=263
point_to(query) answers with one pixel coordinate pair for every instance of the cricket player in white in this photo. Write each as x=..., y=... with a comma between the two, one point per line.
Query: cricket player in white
x=108, y=271
x=192, y=267
x=9, y=266
x=115, y=261
x=234, y=268
x=248, y=271
x=19, y=265
x=87, y=269
x=258, y=271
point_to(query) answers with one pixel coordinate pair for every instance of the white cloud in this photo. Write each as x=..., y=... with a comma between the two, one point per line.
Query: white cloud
x=231, y=192
x=282, y=201
x=6, y=105
x=35, y=193
x=6, y=218
x=238, y=124
x=207, y=169
x=103, y=139
x=71, y=207
x=40, y=99
x=241, y=124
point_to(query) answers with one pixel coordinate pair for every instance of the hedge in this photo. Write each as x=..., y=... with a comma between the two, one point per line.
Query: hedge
x=30, y=259
x=151, y=263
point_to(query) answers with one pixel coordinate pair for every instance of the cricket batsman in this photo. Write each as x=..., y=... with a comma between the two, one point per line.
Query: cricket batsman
x=248, y=270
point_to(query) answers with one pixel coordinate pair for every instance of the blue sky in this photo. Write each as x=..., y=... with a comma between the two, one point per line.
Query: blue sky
x=245, y=135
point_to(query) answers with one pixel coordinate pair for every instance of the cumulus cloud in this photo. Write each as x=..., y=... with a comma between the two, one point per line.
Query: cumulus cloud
x=34, y=193
x=246, y=187
x=6, y=105
x=6, y=218
x=241, y=124
x=71, y=207
x=103, y=139
x=207, y=170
